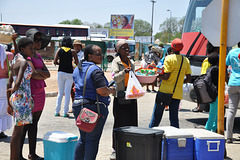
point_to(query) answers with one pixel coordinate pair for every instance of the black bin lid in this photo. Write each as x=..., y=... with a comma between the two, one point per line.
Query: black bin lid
x=138, y=130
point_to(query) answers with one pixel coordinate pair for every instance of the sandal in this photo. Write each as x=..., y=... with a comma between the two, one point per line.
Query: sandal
x=34, y=157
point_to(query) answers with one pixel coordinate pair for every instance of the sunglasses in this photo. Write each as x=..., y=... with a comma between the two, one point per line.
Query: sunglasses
x=124, y=48
x=38, y=40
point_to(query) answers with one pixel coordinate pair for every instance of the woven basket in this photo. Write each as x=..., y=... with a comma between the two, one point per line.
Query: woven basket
x=5, y=39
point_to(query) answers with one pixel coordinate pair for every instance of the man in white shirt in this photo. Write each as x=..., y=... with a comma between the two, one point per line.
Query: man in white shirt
x=78, y=46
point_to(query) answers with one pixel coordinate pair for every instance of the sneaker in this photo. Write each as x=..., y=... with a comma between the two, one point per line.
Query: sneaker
x=196, y=110
x=229, y=140
x=66, y=115
x=70, y=111
x=2, y=135
x=113, y=156
x=57, y=114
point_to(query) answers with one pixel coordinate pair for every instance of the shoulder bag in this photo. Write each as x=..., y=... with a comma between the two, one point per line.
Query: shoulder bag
x=87, y=119
x=165, y=99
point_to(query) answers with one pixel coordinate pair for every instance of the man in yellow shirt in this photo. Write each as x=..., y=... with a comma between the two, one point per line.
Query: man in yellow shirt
x=172, y=65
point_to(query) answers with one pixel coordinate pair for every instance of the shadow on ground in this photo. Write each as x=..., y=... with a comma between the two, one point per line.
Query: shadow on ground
x=202, y=122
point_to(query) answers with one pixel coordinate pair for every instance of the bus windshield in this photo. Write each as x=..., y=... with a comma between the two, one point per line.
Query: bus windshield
x=194, y=15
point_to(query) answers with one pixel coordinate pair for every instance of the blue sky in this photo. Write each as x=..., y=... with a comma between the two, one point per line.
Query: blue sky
x=51, y=12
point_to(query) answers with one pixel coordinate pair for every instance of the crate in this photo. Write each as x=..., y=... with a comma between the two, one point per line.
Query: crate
x=135, y=143
x=208, y=145
x=177, y=144
x=59, y=145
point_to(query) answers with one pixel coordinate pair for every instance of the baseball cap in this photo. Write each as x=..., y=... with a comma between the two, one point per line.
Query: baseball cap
x=177, y=44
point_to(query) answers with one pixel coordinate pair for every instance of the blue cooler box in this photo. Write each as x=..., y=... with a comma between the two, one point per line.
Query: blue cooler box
x=208, y=145
x=177, y=144
x=59, y=145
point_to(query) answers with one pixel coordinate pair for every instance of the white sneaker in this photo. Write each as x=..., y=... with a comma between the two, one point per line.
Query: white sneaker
x=113, y=156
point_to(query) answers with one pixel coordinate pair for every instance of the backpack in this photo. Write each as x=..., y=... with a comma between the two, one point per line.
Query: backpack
x=205, y=90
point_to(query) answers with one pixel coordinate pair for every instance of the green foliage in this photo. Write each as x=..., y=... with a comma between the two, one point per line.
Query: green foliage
x=73, y=22
x=107, y=25
x=170, y=29
x=142, y=28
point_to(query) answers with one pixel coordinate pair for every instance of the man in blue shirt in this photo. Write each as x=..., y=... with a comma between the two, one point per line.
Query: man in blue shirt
x=233, y=90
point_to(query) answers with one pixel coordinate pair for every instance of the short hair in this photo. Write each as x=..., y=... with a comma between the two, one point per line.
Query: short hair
x=169, y=49
x=89, y=49
x=213, y=58
x=211, y=48
x=23, y=42
x=67, y=42
x=238, y=44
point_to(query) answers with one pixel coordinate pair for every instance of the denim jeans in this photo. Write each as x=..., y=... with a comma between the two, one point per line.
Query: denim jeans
x=158, y=113
x=65, y=81
x=87, y=145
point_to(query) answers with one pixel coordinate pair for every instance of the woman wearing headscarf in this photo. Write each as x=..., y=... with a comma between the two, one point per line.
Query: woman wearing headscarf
x=40, y=73
x=64, y=57
x=96, y=86
x=5, y=119
x=124, y=114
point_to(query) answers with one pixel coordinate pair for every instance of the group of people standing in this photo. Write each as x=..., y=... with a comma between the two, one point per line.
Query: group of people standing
x=25, y=99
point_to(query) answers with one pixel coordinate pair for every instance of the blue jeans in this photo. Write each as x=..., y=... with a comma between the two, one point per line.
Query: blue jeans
x=158, y=112
x=87, y=145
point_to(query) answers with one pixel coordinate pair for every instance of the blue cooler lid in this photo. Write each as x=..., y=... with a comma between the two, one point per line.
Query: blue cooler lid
x=203, y=133
x=60, y=137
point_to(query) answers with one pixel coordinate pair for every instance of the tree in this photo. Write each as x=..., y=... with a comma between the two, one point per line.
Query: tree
x=65, y=22
x=74, y=22
x=142, y=28
x=107, y=25
x=170, y=29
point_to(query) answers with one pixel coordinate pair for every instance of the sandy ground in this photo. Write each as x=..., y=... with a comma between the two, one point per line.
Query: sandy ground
x=52, y=85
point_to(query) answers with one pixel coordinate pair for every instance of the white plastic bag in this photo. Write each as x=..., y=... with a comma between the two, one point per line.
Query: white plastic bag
x=134, y=88
x=144, y=64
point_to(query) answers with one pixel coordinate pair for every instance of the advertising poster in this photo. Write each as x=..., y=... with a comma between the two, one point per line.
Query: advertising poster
x=122, y=26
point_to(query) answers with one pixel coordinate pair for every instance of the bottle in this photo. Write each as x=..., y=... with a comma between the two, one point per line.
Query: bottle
x=160, y=68
x=13, y=49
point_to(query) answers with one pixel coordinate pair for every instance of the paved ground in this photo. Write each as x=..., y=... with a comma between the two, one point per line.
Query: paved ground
x=49, y=122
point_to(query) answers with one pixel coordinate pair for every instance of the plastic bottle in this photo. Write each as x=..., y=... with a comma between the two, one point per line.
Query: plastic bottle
x=160, y=68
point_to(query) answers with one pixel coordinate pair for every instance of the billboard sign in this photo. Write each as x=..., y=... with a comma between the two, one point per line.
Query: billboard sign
x=122, y=26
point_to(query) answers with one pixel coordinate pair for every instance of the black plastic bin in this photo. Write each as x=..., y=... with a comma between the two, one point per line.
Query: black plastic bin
x=135, y=143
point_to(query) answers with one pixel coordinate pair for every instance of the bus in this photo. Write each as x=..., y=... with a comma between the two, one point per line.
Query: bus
x=194, y=43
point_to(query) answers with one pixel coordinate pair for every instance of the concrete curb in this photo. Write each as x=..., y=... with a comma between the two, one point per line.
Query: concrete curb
x=51, y=94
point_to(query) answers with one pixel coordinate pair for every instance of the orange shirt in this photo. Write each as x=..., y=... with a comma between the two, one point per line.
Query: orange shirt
x=127, y=74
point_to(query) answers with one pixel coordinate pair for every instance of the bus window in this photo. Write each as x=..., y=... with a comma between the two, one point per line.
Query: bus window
x=196, y=24
x=194, y=15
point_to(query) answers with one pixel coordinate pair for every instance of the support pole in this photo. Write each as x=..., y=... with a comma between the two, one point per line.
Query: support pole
x=222, y=66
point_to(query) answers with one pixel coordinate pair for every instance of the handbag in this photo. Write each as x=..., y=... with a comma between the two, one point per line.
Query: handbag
x=87, y=119
x=164, y=99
